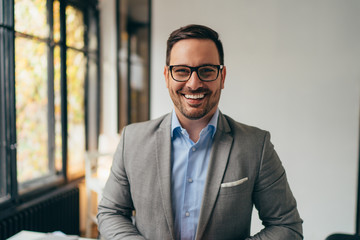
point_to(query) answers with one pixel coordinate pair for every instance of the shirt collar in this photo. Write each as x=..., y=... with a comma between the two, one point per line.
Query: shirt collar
x=176, y=124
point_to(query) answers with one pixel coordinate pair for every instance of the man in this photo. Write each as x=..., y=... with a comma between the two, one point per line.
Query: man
x=196, y=173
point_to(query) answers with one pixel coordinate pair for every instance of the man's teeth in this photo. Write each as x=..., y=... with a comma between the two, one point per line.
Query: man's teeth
x=197, y=96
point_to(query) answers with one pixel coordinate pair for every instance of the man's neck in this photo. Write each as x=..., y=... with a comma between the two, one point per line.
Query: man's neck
x=194, y=126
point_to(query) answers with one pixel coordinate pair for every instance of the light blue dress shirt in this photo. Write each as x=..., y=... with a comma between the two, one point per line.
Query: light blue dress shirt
x=189, y=169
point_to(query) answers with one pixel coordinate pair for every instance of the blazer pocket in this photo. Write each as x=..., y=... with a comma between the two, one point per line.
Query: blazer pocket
x=236, y=188
x=235, y=183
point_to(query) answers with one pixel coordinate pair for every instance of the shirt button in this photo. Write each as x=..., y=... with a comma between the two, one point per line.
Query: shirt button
x=187, y=214
x=190, y=180
x=193, y=149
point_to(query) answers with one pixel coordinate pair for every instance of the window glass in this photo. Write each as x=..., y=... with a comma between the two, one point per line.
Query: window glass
x=76, y=66
x=31, y=108
x=75, y=72
x=57, y=109
x=30, y=17
x=74, y=27
x=56, y=10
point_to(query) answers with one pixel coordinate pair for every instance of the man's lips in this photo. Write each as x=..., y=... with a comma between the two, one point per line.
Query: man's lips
x=194, y=96
x=194, y=100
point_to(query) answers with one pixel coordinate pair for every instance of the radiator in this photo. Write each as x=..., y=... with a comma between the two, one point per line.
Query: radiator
x=57, y=212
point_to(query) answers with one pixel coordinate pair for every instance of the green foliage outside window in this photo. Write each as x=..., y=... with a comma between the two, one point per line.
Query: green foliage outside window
x=31, y=89
x=31, y=86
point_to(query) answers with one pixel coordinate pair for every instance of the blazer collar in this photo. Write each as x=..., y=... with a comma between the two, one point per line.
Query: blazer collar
x=163, y=160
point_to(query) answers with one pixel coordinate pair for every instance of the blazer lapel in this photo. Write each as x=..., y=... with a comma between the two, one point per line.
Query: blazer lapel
x=219, y=158
x=163, y=159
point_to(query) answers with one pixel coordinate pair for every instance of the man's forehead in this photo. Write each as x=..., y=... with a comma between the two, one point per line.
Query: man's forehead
x=194, y=47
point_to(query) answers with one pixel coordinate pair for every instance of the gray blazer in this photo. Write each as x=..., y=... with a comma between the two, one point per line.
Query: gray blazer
x=244, y=170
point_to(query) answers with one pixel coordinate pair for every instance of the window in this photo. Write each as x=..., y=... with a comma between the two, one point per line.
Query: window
x=32, y=91
x=49, y=72
x=133, y=22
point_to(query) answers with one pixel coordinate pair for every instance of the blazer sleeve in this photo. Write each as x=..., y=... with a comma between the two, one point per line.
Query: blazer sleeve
x=115, y=207
x=274, y=200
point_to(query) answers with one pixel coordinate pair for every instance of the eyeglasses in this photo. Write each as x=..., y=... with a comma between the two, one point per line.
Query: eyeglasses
x=206, y=73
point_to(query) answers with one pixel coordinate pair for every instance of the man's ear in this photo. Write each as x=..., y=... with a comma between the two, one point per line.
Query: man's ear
x=166, y=75
x=223, y=75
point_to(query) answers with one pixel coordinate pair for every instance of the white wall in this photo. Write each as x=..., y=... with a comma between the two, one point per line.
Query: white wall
x=293, y=68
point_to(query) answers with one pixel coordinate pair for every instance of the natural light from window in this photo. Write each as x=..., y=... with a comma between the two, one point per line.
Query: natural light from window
x=31, y=90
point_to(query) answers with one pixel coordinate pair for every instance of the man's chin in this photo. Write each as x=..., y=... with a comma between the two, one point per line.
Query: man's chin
x=194, y=115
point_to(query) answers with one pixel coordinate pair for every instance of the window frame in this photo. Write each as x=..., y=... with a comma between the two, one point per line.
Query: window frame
x=125, y=22
x=7, y=127
x=13, y=194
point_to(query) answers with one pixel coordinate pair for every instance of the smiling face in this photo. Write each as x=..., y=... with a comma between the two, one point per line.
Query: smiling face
x=195, y=99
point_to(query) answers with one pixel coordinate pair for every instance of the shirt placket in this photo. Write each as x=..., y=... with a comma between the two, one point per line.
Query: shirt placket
x=191, y=186
x=189, y=198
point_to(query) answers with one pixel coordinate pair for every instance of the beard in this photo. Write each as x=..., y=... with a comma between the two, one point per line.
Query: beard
x=195, y=111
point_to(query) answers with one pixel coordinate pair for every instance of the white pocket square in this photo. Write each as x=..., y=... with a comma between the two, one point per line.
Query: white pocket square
x=235, y=183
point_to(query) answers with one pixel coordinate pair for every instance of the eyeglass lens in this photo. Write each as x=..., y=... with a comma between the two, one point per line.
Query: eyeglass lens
x=205, y=73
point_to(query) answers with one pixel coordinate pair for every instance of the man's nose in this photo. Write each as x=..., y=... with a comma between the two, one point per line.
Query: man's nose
x=194, y=81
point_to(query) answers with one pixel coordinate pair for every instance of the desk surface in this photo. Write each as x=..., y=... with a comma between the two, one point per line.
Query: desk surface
x=29, y=235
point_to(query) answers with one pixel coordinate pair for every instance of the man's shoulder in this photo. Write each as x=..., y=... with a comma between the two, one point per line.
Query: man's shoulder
x=149, y=126
x=239, y=128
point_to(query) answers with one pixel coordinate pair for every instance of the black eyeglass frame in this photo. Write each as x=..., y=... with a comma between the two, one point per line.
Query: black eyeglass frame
x=195, y=69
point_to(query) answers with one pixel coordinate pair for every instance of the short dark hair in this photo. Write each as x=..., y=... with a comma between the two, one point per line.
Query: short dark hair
x=197, y=32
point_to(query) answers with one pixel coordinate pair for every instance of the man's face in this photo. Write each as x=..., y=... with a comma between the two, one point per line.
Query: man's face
x=195, y=99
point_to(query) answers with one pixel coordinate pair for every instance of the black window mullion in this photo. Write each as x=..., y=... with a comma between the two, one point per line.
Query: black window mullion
x=63, y=85
x=3, y=168
x=86, y=83
x=7, y=102
x=98, y=82
x=10, y=106
x=1, y=13
x=50, y=80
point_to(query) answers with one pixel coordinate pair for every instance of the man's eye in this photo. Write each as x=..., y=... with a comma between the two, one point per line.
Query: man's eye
x=181, y=70
x=207, y=71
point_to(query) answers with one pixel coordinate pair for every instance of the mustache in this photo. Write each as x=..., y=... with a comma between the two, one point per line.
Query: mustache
x=196, y=91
